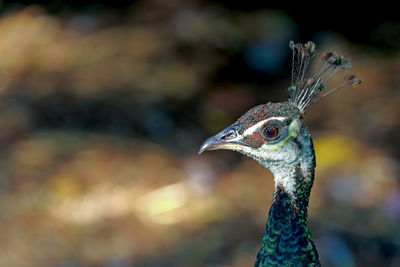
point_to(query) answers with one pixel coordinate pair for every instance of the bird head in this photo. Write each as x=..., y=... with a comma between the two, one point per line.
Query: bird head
x=274, y=133
x=271, y=134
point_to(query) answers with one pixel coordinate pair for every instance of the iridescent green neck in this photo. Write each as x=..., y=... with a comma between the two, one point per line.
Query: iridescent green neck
x=287, y=240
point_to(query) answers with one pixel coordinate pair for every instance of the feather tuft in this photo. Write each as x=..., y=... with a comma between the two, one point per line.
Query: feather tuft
x=305, y=91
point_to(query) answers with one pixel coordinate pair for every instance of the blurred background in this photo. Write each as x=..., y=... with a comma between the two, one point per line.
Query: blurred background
x=104, y=105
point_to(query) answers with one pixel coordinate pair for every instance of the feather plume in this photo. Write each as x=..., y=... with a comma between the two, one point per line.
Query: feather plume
x=303, y=90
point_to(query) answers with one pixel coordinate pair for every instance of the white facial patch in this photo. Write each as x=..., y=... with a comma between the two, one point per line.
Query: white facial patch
x=259, y=124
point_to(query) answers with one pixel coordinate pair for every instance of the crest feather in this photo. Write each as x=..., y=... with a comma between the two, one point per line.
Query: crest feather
x=306, y=90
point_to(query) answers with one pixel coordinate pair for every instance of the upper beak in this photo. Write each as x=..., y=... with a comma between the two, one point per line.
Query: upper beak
x=220, y=140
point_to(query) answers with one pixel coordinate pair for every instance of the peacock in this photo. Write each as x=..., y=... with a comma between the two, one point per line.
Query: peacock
x=275, y=135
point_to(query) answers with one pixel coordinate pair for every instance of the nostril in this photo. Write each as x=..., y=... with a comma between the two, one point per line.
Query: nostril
x=228, y=135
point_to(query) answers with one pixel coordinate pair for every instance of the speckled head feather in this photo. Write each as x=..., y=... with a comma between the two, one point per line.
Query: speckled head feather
x=305, y=91
x=268, y=110
x=258, y=114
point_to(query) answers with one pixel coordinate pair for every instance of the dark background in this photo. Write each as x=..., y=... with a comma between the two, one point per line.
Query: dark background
x=104, y=105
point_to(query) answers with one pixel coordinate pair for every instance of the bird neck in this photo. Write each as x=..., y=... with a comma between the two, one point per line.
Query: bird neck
x=286, y=239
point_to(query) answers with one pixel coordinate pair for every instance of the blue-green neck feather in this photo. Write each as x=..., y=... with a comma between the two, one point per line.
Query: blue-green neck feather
x=287, y=240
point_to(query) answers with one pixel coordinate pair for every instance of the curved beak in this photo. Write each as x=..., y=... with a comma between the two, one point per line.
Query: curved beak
x=226, y=139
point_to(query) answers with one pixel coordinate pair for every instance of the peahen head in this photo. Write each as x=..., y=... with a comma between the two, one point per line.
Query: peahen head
x=274, y=133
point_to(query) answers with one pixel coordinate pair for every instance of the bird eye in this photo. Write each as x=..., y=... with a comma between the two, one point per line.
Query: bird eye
x=271, y=132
